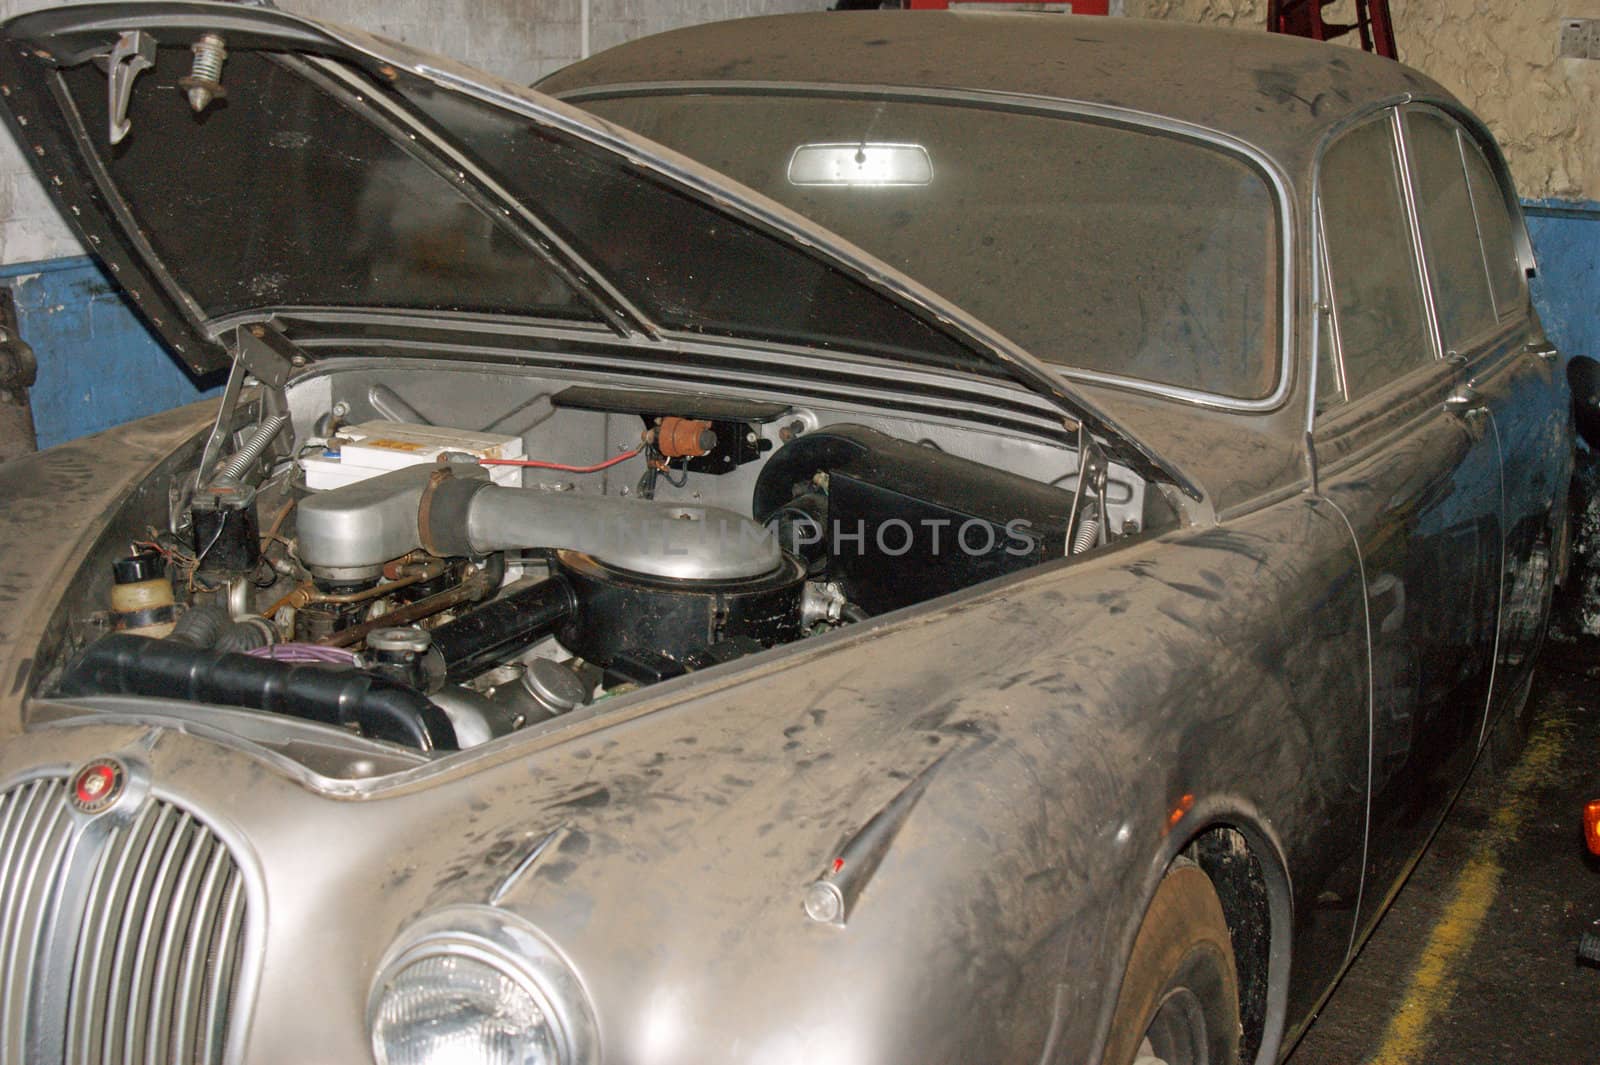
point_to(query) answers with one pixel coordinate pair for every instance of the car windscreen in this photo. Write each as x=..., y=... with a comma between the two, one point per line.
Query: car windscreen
x=1114, y=249
x=686, y=265
x=292, y=191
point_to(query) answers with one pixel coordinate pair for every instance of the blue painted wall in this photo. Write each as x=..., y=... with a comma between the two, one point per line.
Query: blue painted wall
x=99, y=366
x=1566, y=241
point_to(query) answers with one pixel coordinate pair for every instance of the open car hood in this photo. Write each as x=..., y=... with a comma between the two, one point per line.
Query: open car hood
x=326, y=168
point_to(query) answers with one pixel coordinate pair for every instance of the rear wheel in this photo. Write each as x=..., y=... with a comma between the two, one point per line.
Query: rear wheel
x=1179, y=1003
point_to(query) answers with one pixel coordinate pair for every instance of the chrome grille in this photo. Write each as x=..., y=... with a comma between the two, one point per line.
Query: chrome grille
x=144, y=927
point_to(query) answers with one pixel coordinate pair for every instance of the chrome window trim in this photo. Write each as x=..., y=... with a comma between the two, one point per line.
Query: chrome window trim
x=1478, y=340
x=1517, y=306
x=1326, y=331
x=1387, y=109
x=1462, y=148
x=1323, y=281
x=1485, y=143
x=1130, y=118
x=143, y=788
x=1408, y=194
x=1482, y=141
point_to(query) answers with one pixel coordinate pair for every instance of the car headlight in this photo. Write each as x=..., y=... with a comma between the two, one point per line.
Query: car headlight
x=476, y=986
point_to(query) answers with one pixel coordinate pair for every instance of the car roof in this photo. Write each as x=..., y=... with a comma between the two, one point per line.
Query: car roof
x=1278, y=93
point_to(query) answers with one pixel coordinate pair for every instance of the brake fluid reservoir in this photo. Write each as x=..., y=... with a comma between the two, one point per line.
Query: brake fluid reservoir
x=141, y=595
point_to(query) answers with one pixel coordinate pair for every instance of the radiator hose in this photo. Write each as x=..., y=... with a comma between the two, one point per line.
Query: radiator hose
x=209, y=627
x=382, y=709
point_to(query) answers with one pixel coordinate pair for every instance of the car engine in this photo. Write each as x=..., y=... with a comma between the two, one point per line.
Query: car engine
x=433, y=587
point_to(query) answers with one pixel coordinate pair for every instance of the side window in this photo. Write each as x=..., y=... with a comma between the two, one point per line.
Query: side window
x=1498, y=233
x=1379, y=312
x=1449, y=229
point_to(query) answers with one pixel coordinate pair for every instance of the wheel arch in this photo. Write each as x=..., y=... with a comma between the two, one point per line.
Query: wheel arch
x=1236, y=847
x=1248, y=874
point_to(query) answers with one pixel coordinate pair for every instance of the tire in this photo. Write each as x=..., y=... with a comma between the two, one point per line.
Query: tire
x=1179, y=1002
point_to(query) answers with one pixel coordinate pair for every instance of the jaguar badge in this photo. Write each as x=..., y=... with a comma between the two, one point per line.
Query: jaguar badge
x=97, y=786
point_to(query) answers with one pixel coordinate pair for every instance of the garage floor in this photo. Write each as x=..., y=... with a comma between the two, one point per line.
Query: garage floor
x=1474, y=963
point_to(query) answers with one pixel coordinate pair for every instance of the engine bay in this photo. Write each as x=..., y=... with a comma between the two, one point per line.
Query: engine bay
x=438, y=557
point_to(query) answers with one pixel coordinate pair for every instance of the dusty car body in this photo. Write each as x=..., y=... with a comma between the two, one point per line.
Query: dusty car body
x=918, y=815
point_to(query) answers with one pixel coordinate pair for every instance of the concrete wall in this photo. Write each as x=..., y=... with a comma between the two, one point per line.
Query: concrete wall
x=1498, y=56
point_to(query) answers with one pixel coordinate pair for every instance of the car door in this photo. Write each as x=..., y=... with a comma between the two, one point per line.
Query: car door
x=1479, y=287
x=1409, y=456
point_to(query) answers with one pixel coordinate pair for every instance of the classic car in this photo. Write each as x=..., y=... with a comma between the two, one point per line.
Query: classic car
x=851, y=537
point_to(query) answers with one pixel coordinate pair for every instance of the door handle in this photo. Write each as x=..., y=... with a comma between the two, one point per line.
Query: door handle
x=1466, y=403
x=1545, y=351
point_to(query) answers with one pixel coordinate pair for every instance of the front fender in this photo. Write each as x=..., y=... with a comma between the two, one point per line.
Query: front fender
x=1085, y=718
x=58, y=504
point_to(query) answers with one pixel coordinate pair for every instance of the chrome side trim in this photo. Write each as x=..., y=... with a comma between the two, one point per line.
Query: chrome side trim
x=1366, y=830
x=1499, y=585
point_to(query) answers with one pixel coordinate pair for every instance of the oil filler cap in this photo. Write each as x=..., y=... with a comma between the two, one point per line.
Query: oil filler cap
x=555, y=686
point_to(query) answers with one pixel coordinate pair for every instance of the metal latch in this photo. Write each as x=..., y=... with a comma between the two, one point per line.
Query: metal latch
x=134, y=53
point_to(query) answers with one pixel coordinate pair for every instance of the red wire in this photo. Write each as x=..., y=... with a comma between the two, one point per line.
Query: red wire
x=534, y=463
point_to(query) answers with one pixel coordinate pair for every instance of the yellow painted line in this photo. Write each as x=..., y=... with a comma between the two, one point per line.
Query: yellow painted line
x=1433, y=982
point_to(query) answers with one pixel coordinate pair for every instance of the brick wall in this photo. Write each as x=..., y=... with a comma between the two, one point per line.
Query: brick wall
x=1498, y=56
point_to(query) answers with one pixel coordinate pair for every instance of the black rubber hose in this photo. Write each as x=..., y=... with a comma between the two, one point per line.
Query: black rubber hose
x=210, y=627
x=498, y=629
x=122, y=664
x=246, y=634
x=200, y=626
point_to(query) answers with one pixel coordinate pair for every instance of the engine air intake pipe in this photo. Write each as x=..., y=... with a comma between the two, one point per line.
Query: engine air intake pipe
x=453, y=510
